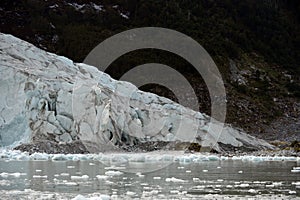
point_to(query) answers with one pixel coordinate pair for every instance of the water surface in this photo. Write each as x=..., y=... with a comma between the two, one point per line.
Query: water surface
x=230, y=178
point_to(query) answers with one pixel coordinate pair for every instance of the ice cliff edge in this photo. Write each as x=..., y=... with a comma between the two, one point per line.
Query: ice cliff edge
x=45, y=97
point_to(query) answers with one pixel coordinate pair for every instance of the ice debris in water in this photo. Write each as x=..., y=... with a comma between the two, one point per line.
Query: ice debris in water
x=129, y=193
x=39, y=176
x=292, y=192
x=121, y=158
x=83, y=177
x=113, y=173
x=16, y=174
x=297, y=184
x=175, y=180
x=296, y=170
x=252, y=191
x=102, y=177
x=100, y=197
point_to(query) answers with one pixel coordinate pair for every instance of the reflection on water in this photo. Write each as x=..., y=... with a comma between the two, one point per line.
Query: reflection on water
x=228, y=177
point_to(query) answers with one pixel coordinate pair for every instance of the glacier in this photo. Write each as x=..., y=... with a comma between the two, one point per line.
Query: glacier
x=46, y=97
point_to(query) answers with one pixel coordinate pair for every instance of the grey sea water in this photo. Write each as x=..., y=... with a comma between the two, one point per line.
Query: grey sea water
x=212, y=179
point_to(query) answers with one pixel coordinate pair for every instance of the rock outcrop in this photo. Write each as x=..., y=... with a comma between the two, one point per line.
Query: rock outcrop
x=45, y=97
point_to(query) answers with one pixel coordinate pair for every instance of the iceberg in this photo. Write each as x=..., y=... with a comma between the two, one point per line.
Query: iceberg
x=46, y=97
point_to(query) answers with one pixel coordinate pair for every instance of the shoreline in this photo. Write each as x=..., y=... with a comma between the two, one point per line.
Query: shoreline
x=77, y=147
x=154, y=156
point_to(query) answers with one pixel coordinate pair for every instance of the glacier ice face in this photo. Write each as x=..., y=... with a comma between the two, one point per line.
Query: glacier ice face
x=48, y=97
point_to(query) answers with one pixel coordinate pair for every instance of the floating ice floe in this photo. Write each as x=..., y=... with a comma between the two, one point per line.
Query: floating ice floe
x=15, y=175
x=296, y=170
x=292, y=192
x=296, y=183
x=70, y=183
x=64, y=174
x=150, y=193
x=100, y=197
x=270, y=186
x=129, y=193
x=40, y=176
x=253, y=191
x=196, y=179
x=139, y=174
x=175, y=180
x=243, y=185
x=83, y=177
x=156, y=177
x=113, y=173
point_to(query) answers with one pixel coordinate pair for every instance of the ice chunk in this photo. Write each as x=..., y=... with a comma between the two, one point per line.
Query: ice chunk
x=39, y=176
x=175, y=180
x=243, y=185
x=295, y=170
x=39, y=156
x=296, y=183
x=16, y=174
x=139, y=174
x=83, y=177
x=196, y=179
x=253, y=191
x=113, y=173
x=292, y=192
x=71, y=183
x=79, y=197
x=104, y=197
x=59, y=157
x=129, y=193
x=213, y=158
x=270, y=186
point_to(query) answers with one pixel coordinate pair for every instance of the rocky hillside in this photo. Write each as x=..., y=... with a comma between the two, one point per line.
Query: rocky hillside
x=254, y=43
